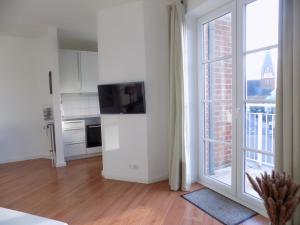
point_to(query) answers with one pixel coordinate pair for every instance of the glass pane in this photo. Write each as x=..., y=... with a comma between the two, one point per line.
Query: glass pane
x=217, y=37
x=261, y=75
x=261, y=24
x=218, y=160
x=255, y=164
x=218, y=121
x=218, y=80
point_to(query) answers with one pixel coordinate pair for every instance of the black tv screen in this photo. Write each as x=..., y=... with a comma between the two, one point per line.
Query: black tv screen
x=124, y=98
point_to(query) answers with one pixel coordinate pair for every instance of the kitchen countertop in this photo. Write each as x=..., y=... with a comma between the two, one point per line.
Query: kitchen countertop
x=79, y=117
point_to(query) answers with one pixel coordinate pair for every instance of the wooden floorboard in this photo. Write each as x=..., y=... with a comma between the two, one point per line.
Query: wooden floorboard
x=79, y=195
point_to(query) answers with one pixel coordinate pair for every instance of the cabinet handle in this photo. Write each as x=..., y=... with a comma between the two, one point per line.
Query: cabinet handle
x=71, y=129
x=77, y=143
x=73, y=122
x=96, y=126
x=50, y=83
x=78, y=69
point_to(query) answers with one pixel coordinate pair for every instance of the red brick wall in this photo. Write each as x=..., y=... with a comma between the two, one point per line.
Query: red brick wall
x=220, y=74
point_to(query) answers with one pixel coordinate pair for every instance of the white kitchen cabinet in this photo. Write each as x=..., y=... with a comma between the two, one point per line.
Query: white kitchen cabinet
x=74, y=138
x=75, y=149
x=89, y=71
x=69, y=71
x=78, y=71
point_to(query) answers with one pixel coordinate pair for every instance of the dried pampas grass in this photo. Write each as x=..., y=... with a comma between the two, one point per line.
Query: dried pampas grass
x=279, y=193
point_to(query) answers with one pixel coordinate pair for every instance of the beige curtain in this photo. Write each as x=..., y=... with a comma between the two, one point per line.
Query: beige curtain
x=179, y=174
x=288, y=93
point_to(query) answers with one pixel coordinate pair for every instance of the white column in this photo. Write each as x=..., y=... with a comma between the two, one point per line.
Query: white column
x=54, y=68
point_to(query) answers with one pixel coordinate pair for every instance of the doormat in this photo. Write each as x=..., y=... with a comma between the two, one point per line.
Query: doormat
x=219, y=207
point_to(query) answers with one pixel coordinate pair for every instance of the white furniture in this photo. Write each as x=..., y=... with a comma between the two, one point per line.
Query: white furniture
x=78, y=71
x=12, y=217
x=74, y=138
x=89, y=71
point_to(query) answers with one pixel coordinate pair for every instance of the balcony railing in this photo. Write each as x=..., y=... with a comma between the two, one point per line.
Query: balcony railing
x=260, y=129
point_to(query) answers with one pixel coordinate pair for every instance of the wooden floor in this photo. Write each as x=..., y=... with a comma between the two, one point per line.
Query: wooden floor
x=78, y=195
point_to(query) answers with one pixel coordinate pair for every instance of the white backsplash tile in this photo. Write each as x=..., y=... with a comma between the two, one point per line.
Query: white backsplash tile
x=80, y=104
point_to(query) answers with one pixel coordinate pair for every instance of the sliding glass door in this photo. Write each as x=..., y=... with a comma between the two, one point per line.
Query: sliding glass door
x=237, y=90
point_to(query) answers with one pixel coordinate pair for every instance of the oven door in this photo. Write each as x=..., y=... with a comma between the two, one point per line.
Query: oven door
x=93, y=136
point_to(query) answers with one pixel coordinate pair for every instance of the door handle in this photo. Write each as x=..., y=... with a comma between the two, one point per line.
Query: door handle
x=94, y=126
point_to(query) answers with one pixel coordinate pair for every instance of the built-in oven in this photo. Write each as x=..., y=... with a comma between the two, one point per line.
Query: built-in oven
x=93, y=135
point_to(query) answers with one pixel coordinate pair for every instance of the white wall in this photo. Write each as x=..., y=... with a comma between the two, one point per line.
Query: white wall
x=198, y=8
x=133, y=46
x=122, y=59
x=157, y=84
x=121, y=43
x=192, y=4
x=23, y=94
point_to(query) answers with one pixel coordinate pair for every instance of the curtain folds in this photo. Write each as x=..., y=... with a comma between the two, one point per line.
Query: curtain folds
x=288, y=93
x=179, y=173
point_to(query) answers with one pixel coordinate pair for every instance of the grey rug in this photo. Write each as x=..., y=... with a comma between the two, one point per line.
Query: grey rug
x=221, y=208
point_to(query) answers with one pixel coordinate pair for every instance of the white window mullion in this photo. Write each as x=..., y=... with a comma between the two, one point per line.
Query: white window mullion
x=217, y=59
x=258, y=151
x=217, y=141
x=261, y=49
x=256, y=101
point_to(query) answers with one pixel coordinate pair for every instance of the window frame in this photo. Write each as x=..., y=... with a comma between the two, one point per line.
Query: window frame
x=214, y=184
x=236, y=192
x=242, y=102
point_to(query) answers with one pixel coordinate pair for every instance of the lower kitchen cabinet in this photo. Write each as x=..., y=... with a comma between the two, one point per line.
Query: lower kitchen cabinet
x=74, y=138
x=75, y=149
x=76, y=135
x=93, y=150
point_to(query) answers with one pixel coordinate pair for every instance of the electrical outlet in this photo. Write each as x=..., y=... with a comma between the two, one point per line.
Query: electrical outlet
x=133, y=166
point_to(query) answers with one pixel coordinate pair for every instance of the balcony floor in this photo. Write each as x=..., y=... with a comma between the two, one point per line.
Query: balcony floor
x=224, y=176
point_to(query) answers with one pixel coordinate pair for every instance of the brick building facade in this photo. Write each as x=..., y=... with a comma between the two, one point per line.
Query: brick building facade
x=218, y=90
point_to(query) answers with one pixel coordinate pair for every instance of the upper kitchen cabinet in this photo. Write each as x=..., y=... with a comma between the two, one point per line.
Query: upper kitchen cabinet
x=78, y=71
x=69, y=71
x=89, y=70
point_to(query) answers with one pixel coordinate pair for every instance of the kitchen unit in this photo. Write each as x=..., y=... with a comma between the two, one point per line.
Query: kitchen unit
x=80, y=104
x=74, y=138
x=78, y=71
x=82, y=138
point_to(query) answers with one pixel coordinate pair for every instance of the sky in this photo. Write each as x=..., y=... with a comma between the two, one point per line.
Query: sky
x=261, y=31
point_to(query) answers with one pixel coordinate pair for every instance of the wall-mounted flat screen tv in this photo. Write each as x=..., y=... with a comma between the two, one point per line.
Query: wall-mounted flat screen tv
x=123, y=98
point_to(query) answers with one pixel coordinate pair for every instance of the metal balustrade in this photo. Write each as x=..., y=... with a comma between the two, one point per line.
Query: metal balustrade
x=260, y=136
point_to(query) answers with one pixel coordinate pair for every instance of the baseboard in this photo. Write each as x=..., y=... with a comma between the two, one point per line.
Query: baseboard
x=157, y=179
x=19, y=159
x=85, y=156
x=121, y=177
x=143, y=180
x=61, y=164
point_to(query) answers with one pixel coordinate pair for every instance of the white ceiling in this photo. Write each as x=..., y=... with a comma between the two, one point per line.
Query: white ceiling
x=76, y=20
